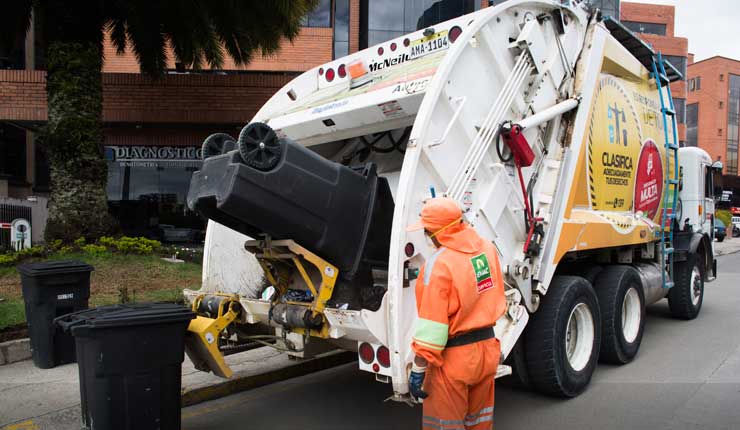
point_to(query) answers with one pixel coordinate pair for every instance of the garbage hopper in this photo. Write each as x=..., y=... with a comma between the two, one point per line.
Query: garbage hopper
x=130, y=359
x=52, y=289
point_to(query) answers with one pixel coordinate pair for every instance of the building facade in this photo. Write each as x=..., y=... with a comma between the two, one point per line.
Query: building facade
x=153, y=129
x=655, y=25
x=713, y=110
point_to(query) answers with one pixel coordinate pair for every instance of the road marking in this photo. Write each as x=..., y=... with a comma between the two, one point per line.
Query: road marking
x=24, y=425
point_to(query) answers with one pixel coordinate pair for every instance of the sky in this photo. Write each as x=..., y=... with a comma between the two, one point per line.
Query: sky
x=710, y=25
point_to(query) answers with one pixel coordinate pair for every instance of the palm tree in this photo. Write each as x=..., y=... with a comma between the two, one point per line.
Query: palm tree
x=199, y=32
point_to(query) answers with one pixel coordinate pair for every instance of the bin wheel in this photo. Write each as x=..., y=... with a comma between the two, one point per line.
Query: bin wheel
x=563, y=338
x=622, y=305
x=259, y=146
x=217, y=144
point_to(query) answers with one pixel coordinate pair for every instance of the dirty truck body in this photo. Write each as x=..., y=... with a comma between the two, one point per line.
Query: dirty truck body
x=546, y=124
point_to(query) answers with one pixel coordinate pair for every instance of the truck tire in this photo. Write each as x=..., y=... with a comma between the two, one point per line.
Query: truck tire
x=622, y=305
x=687, y=295
x=563, y=338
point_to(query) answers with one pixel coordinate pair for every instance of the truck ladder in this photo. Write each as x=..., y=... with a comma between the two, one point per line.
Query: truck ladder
x=670, y=196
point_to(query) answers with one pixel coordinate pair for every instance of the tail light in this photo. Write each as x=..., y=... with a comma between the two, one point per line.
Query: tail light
x=380, y=50
x=393, y=46
x=367, y=354
x=409, y=249
x=384, y=356
x=329, y=75
x=454, y=33
x=342, y=71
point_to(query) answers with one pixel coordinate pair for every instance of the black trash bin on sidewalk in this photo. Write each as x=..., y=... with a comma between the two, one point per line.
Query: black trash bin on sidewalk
x=130, y=363
x=52, y=289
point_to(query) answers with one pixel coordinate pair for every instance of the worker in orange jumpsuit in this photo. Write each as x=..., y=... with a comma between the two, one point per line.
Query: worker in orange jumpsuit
x=459, y=297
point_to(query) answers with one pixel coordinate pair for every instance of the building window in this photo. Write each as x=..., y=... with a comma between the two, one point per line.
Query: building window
x=721, y=77
x=679, y=105
x=692, y=124
x=383, y=20
x=692, y=84
x=341, y=28
x=721, y=105
x=14, y=57
x=608, y=7
x=697, y=83
x=148, y=187
x=12, y=154
x=678, y=62
x=719, y=132
x=41, y=172
x=319, y=17
x=733, y=118
x=646, y=27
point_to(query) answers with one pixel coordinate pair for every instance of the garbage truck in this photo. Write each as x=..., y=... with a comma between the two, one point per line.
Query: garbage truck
x=551, y=125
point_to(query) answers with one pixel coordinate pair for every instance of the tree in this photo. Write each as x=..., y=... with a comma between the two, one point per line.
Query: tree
x=199, y=32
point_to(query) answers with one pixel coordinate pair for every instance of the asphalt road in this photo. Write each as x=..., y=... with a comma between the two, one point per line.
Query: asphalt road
x=686, y=376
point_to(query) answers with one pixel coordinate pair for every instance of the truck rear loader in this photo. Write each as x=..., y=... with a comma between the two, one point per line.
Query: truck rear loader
x=551, y=125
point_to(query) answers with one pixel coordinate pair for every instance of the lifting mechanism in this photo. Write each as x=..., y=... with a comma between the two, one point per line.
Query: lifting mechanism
x=215, y=313
x=279, y=259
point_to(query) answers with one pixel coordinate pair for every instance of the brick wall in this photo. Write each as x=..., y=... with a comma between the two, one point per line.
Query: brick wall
x=712, y=117
x=641, y=12
x=133, y=98
x=312, y=47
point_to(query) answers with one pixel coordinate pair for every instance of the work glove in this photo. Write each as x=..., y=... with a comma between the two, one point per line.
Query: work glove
x=416, y=381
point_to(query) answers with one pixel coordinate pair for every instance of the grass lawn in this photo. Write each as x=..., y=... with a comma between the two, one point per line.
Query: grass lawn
x=139, y=278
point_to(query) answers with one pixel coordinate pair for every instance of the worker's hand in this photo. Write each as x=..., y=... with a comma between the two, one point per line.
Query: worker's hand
x=416, y=382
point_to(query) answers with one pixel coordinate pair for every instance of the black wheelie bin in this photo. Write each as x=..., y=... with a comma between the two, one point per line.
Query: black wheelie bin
x=52, y=289
x=130, y=363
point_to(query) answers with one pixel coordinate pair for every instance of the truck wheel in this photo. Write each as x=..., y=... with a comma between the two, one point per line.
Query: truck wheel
x=622, y=305
x=563, y=337
x=686, y=296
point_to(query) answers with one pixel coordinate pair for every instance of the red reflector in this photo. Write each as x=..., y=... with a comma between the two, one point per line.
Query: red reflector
x=329, y=75
x=380, y=50
x=406, y=42
x=376, y=368
x=409, y=249
x=321, y=71
x=384, y=356
x=342, y=71
x=367, y=354
x=454, y=33
x=393, y=46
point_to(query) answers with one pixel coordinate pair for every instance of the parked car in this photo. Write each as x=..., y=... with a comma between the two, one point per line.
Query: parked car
x=735, y=210
x=719, y=230
x=735, y=226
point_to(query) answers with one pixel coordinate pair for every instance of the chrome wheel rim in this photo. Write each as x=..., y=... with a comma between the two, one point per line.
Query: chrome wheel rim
x=579, y=337
x=631, y=315
x=695, y=286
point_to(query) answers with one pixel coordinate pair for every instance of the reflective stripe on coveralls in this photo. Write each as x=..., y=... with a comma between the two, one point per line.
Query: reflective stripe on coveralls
x=463, y=290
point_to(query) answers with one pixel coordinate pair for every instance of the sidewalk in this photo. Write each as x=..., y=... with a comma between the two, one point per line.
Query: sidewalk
x=730, y=245
x=37, y=399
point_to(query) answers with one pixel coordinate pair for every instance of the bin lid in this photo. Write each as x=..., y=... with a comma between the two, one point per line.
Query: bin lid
x=55, y=267
x=125, y=315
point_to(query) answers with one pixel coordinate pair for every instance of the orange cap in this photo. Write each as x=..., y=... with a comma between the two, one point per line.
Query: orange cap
x=438, y=214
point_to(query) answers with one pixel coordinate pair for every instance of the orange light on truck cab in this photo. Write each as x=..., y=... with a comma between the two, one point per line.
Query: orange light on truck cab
x=701, y=210
x=357, y=69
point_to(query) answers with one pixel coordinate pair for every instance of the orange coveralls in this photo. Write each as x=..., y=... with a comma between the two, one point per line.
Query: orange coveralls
x=459, y=289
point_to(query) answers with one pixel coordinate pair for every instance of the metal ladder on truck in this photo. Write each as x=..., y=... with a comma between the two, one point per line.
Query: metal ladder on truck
x=670, y=196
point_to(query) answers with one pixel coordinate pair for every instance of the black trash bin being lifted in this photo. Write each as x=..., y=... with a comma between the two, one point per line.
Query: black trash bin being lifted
x=52, y=289
x=130, y=364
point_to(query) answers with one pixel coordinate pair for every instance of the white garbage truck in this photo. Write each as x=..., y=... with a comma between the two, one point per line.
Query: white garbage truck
x=551, y=125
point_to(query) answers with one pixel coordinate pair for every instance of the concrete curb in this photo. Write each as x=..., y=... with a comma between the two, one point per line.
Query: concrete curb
x=13, y=351
x=247, y=382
